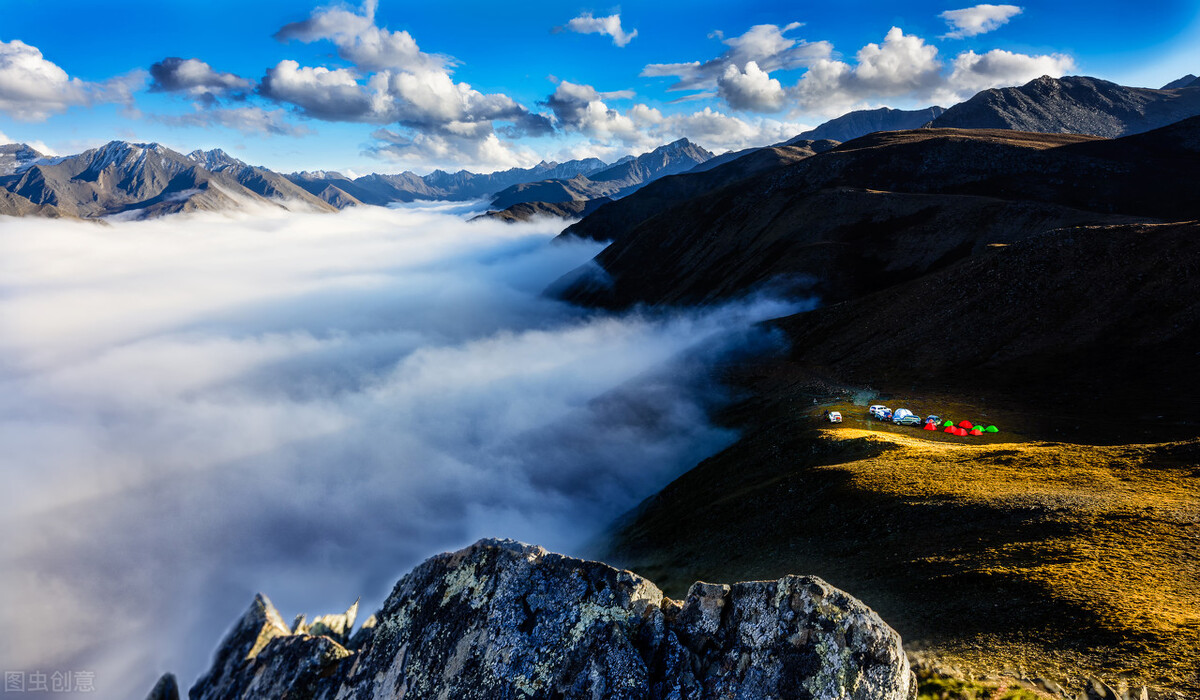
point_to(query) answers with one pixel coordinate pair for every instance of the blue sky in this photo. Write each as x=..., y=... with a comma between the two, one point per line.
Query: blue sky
x=485, y=85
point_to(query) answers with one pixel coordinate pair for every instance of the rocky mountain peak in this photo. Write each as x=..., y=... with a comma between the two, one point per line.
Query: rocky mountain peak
x=1072, y=105
x=1188, y=80
x=215, y=159
x=502, y=619
x=14, y=156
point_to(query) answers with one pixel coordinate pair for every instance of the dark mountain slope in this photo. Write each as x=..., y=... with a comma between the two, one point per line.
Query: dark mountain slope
x=847, y=127
x=1073, y=105
x=1186, y=81
x=995, y=550
x=1106, y=312
x=883, y=209
x=861, y=122
x=668, y=191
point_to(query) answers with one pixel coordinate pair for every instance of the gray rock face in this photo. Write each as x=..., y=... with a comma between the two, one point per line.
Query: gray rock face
x=16, y=155
x=502, y=619
x=1073, y=105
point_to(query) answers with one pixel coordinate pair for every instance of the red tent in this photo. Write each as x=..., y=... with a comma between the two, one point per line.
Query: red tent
x=966, y=424
x=976, y=431
x=950, y=429
x=961, y=432
x=930, y=426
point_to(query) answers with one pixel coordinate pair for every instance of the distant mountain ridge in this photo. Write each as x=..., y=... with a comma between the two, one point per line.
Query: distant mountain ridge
x=866, y=121
x=407, y=186
x=1074, y=105
x=141, y=180
x=615, y=181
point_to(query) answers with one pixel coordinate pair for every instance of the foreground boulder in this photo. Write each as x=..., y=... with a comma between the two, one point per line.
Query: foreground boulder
x=502, y=619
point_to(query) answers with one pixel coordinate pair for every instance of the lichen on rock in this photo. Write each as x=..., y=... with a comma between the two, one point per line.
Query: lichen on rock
x=505, y=620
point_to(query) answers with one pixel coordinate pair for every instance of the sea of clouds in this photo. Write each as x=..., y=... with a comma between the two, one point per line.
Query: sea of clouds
x=196, y=408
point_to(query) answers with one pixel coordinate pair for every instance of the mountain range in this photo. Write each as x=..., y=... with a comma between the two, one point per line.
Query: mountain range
x=612, y=182
x=381, y=189
x=141, y=180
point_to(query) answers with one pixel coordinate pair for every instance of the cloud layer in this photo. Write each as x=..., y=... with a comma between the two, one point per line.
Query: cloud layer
x=195, y=409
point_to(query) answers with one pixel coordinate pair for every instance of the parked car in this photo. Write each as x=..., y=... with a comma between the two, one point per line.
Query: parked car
x=900, y=413
x=907, y=419
x=936, y=420
x=884, y=413
x=874, y=410
x=834, y=417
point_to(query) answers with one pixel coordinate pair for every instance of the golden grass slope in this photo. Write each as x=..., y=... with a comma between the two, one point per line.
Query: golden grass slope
x=1058, y=559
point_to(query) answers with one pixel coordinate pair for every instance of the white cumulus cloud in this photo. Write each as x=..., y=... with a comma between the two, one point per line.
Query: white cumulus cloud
x=751, y=90
x=394, y=82
x=980, y=19
x=973, y=72
x=582, y=109
x=607, y=26
x=903, y=65
x=764, y=44
x=32, y=88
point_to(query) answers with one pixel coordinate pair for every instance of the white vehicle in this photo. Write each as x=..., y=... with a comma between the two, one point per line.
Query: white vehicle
x=874, y=410
x=903, y=416
x=835, y=417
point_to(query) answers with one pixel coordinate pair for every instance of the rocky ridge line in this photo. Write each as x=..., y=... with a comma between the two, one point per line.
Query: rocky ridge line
x=501, y=619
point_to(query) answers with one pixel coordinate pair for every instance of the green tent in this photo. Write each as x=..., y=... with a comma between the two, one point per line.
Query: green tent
x=991, y=429
x=948, y=424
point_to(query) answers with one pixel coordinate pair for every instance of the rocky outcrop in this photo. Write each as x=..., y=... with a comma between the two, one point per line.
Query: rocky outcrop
x=167, y=688
x=502, y=619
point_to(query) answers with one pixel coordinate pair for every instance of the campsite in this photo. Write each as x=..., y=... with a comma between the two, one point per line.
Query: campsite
x=927, y=418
